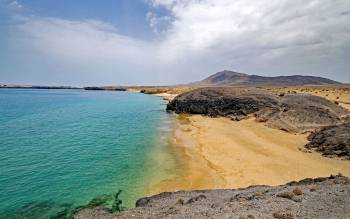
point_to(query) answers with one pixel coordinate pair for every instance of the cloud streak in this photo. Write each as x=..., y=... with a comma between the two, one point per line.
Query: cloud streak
x=197, y=38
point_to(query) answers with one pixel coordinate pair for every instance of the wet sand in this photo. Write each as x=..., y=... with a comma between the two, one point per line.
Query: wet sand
x=218, y=153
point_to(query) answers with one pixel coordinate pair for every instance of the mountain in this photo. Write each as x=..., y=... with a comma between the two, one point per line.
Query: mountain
x=231, y=78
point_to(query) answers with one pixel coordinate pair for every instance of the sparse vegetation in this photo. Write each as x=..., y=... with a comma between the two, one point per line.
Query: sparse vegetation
x=297, y=191
x=117, y=204
x=287, y=195
x=247, y=217
x=197, y=198
x=283, y=215
x=180, y=201
x=312, y=189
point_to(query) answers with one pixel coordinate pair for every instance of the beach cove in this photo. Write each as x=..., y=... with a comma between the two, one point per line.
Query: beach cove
x=127, y=141
x=218, y=153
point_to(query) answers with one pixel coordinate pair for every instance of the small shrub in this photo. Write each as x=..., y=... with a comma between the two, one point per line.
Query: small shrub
x=287, y=195
x=297, y=191
x=197, y=198
x=247, y=217
x=283, y=215
x=117, y=204
x=180, y=201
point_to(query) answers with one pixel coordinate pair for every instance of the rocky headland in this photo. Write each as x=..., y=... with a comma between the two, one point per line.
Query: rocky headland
x=107, y=88
x=295, y=113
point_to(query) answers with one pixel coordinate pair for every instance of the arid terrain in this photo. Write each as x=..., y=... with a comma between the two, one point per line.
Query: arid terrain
x=322, y=198
x=338, y=94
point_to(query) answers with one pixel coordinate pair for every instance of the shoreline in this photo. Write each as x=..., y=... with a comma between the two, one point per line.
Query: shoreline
x=217, y=153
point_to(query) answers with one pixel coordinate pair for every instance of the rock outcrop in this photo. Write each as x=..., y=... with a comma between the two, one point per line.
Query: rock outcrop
x=326, y=197
x=291, y=112
x=234, y=103
x=331, y=141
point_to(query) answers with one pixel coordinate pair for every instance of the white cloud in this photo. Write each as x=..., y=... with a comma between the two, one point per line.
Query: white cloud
x=13, y=4
x=157, y=23
x=82, y=41
x=259, y=25
x=203, y=36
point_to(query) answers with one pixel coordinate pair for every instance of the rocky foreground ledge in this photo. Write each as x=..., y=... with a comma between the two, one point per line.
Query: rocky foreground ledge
x=327, y=197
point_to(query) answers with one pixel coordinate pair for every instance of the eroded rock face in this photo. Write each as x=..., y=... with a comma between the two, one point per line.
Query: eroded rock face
x=331, y=141
x=292, y=112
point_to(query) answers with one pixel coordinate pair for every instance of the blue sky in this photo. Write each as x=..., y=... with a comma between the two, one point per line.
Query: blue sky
x=128, y=16
x=155, y=42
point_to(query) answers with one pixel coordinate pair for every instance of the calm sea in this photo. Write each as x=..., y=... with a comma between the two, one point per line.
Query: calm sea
x=66, y=147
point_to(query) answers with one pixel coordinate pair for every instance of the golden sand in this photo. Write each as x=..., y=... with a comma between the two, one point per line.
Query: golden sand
x=219, y=153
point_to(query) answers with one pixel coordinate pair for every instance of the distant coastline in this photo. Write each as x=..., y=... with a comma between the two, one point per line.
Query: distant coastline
x=37, y=87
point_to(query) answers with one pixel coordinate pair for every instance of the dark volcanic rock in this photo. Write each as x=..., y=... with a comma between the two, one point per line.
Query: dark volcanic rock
x=222, y=102
x=93, y=88
x=292, y=112
x=331, y=141
x=326, y=197
x=108, y=88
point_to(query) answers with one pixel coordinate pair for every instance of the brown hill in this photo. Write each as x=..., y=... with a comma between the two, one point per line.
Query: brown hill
x=231, y=78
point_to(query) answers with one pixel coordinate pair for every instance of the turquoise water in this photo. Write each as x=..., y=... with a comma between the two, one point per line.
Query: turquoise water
x=65, y=147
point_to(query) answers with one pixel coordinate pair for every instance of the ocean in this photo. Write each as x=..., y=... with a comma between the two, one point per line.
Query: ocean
x=64, y=148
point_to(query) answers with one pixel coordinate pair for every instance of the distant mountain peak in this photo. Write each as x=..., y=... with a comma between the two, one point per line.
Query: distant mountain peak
x=229, y=73
x=232, y=78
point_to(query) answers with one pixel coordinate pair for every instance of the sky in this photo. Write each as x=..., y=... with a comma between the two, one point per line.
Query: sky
x=164, y=42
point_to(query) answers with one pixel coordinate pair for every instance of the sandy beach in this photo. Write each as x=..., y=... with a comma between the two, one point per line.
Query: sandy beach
x=220, y=153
